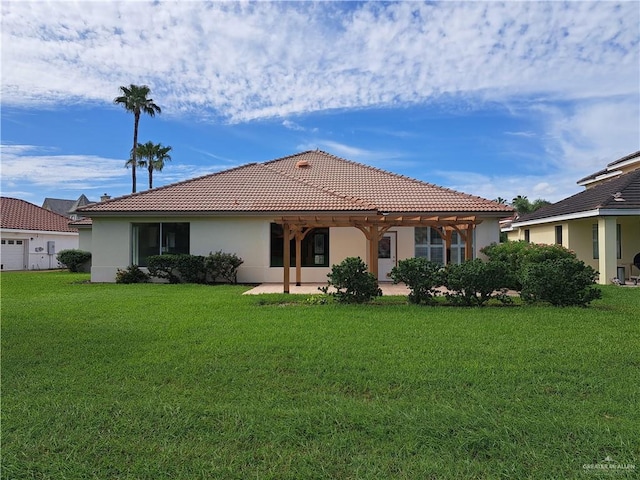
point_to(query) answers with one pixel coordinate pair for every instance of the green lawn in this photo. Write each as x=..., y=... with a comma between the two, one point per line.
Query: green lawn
x=199, y=382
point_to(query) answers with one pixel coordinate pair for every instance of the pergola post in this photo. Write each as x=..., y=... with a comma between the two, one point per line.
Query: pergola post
x=447, y=234
x=374, y=241
x=286, y=261
x=468, y=243
x=298, y=259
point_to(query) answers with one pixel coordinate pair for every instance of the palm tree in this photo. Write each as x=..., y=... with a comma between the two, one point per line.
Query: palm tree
x=151, y=156
x=134, y=99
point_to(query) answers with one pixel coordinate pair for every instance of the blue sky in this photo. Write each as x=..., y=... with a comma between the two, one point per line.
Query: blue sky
x=494, y=99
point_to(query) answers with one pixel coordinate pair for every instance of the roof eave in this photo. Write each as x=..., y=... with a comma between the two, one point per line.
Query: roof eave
x=598, y=212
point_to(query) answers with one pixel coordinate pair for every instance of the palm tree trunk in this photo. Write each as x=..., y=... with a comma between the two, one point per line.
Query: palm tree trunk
x=150, y=175
x=133, y=154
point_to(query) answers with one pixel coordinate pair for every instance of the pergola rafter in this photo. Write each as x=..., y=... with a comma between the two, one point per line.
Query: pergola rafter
x=373, y=226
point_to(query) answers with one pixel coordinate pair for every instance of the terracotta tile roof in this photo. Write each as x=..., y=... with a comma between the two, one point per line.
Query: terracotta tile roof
x=20, y=215
x=619, y=193
x=309, y=181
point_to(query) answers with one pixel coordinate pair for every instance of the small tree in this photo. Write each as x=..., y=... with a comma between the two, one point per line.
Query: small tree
x=74, y=259
x=352, y=282
x=421, y=276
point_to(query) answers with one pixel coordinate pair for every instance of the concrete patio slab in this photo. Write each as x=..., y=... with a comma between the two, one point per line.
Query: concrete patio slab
x=312, y=288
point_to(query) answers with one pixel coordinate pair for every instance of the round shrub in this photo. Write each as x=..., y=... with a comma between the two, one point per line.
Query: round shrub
x=559, y=281
x=475, y=282
x=352, y=282
x=74, y=259
x=421, y=276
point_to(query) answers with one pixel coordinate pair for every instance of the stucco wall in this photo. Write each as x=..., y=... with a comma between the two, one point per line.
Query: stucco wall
x=84, y=240
x=35, y=246
x=248, y=238
x=487, y=232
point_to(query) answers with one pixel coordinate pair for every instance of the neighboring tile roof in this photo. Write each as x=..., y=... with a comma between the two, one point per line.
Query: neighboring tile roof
x=20, y=215
x=81, y=222
x=327, y=183
x=619, y=193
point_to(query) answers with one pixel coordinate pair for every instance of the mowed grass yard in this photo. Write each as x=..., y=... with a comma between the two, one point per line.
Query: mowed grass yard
x=105, y=381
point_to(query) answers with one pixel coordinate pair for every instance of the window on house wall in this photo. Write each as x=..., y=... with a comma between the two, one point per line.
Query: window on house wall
x=527, y=235
x=158, y=238
x=314, y=246
x=429, y=244
x=559, y=234
x=596, y=244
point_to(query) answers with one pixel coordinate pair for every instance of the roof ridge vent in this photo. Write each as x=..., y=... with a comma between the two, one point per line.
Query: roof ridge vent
x=303, y=164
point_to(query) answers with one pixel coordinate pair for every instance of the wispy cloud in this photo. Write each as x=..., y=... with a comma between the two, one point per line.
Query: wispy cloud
x=243, y=61
x=44, y=170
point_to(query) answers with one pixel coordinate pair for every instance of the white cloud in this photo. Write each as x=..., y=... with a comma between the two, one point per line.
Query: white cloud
x=246, y=61
x=29, y=170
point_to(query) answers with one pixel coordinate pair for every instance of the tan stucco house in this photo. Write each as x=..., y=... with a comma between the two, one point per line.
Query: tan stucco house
x=292, y=218
x=601, y=224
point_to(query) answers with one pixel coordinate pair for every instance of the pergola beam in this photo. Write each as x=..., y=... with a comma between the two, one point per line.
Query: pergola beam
x=373, y=227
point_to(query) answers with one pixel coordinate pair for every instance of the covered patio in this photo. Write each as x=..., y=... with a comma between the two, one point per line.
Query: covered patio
x=373, y=227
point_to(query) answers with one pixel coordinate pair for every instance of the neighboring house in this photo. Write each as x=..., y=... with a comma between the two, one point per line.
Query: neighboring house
x=66, y=207
x=293, y=217
x=600, y=224
x=31, y=236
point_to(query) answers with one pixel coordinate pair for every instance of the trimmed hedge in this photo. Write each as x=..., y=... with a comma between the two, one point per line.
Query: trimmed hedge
x=74, y=259
x=195, y=268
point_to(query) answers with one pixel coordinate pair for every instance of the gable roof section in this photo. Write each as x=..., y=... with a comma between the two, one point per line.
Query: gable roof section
x=621, y=194
x=20, y=215
x=612, y=169
x=309, y=181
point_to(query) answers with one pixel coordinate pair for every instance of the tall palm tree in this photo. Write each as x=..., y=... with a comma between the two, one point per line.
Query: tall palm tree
x=151, y=156
x=135, y=99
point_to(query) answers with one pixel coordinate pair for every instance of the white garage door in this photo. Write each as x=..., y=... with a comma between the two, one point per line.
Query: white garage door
x=12, y=254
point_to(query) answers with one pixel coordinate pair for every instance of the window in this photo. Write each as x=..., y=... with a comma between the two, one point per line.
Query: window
x=559, y=234
x=596, y=243
x=431, y=245
x=315, y=248
x=158, y=238
x=527, y=235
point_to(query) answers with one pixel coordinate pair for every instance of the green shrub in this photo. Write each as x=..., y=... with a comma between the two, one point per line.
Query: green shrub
x=474, y=282
x=190, y=268
x=164, y=266
x=352, y=282
x=222, y=265
x=515, y=255
x=132, y=274
x=559, y=281
x=74, y=259
x=421, y=276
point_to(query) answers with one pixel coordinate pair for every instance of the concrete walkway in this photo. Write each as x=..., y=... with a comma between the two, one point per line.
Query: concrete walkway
x=312, y=288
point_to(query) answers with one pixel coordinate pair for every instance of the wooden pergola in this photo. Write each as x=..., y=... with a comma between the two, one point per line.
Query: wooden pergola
x=373, y=227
